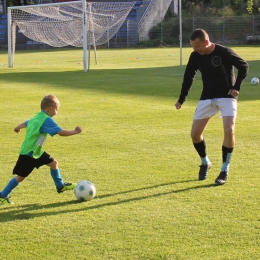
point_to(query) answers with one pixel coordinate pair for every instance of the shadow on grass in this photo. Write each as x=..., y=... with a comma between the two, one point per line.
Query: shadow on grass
x=144, y=81
x=160, y=82
x=31, y=211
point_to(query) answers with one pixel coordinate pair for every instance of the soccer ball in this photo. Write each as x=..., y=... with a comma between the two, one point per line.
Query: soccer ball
x=254, y=81
x=85, y=190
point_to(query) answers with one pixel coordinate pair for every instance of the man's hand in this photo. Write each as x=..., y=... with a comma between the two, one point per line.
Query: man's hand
x=233, y=92
x=178, y=105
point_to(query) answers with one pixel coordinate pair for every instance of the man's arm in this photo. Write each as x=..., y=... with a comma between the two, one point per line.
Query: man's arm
x=242, y=69
x=188, y=79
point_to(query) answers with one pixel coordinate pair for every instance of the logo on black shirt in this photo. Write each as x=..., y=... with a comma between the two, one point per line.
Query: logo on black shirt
x=216, y=61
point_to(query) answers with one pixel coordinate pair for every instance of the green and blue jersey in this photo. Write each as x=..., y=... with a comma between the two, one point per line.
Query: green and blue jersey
x=37, y=129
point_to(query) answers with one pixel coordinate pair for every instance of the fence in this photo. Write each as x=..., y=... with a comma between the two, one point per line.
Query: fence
x=224, y=30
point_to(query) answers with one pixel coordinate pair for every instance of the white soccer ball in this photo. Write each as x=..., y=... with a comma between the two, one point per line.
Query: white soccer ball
x=85, y=190
x=254, y=81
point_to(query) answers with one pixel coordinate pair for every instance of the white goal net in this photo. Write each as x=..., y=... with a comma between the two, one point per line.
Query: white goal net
x=79, y=23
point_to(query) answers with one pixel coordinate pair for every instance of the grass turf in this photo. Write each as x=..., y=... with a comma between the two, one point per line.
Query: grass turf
x=135, y=147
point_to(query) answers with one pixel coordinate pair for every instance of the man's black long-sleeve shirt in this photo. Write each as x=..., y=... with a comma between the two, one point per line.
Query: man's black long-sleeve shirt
x=217, y=71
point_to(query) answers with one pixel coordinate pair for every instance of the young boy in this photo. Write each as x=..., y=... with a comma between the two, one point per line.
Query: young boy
x=31, y=153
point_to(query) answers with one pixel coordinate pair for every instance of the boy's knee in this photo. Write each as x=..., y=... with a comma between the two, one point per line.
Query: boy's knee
x=54, y=165
x=19, y=178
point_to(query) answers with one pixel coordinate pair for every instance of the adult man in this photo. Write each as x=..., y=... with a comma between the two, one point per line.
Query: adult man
x=220, y=92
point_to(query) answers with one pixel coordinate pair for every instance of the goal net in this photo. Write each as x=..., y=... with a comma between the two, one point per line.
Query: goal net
x=78, y=23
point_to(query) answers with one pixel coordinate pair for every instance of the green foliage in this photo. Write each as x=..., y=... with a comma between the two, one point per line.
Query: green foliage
x=167, y=33
x=220, y=7
x=149, y=43
x=250, y=6
x=214, y=9
x=135, y=147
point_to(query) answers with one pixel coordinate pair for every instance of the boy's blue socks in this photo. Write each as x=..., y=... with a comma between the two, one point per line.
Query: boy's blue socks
x=9, y=187
x=55, y=174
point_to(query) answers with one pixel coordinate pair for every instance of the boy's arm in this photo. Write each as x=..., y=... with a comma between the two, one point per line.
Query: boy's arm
x=77, y=130
x=18, y=128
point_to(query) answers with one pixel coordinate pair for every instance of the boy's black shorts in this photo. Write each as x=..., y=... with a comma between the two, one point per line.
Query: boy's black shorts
x=25, y=164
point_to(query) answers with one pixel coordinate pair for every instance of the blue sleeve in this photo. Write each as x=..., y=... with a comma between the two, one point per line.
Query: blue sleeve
x=50, y=127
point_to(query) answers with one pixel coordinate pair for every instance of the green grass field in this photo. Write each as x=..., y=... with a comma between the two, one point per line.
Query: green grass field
x=135, y=147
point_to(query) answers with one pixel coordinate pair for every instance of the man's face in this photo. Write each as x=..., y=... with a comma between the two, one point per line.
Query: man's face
x=200, y=46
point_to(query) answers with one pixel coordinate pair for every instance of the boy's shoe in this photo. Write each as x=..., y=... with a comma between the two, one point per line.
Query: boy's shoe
x=5, y=200
x=67, y=186
x=203, y=173
x=222, y=178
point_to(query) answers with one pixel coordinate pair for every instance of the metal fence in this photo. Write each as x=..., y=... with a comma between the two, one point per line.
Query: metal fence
x=224, y=30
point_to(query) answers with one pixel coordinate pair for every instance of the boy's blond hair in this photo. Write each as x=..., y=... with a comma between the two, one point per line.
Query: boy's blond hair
x=49, y=101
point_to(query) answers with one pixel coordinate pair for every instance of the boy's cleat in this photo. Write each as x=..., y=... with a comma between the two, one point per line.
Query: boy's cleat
x=66, y=186
x=203, y=173
x=222, y=178
x=5, y=200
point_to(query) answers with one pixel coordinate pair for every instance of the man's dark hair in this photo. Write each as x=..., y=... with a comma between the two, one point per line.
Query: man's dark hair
x=199, y=34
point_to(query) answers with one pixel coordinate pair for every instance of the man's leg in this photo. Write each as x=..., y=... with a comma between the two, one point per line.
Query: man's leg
x=227, y=147
x=197, y=130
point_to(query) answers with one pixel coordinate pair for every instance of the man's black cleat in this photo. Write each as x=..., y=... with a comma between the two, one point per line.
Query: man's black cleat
x=203, y=173
x=222, y=178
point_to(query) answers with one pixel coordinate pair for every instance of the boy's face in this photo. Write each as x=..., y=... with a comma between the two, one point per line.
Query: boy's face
x=53, y=110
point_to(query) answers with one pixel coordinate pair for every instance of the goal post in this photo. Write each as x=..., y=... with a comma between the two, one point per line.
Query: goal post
x=78, y=23
x=28, y=15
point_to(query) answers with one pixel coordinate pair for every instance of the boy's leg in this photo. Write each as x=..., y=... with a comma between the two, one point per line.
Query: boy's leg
x=12, y=184
x=46, y=159
x=24, y=166
x=56, y=176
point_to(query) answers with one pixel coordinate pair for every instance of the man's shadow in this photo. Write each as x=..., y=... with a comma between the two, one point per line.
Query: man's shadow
x=35, y=210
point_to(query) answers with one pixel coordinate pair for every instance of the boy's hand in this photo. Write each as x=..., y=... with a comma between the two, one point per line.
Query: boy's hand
x=78, y=129
x=17, y=130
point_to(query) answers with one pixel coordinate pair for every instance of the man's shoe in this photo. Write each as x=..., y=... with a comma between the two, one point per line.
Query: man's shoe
x=203, y=173
x=222, y=178
x=5, y=200
x=66, y=186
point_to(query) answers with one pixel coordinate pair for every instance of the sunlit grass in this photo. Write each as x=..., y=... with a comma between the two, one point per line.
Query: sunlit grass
x=135, y=147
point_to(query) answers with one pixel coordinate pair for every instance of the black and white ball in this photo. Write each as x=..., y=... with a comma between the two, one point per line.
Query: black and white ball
x=85, y=190
x=255, y=81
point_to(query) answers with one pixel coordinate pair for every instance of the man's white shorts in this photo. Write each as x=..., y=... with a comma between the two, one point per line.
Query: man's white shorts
x=210, y=107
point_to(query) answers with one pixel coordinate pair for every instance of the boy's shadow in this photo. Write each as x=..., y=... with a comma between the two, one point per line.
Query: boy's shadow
x=32, y=210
